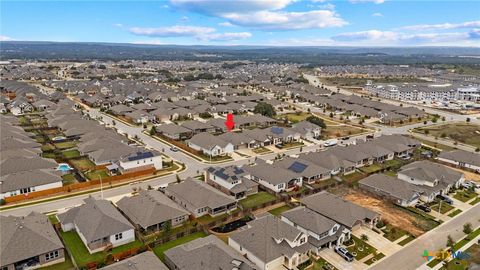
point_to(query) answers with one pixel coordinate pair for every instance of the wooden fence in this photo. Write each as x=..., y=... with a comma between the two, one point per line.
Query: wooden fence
x=80, y=186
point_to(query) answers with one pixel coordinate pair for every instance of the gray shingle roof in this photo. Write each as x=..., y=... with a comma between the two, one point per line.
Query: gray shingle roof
x=143, y=261
x=26, y=237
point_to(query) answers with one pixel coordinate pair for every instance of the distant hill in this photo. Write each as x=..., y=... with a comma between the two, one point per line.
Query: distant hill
x=310, y=55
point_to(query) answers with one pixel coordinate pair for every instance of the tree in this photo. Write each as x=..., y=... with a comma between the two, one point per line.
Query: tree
x=167, y=226
x=467, y=228
x=468, y=120
x=265, y=109
x=317, y=121
x=364, y=237
x=450, y=241
x=153, y=131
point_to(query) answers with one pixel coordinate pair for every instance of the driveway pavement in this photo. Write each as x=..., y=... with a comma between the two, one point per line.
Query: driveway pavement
x=381, y=243
x=330, y=256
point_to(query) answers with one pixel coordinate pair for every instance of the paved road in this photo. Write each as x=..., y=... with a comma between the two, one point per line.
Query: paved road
x=410, y=257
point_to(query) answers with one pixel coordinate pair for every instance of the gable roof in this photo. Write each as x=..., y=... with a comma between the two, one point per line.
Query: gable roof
x=430, y=171
x=26, y=237
x=96, y=219
x=143, y=261
x=338, y=209
x=150, y=207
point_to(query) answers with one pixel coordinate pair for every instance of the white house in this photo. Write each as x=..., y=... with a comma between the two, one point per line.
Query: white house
x=141, y=160
x=210, y=145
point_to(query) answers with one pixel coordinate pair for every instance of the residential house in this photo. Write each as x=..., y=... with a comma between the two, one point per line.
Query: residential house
x=461, y=158
x=271, y=243
x=390, y=188
x=273, y=177
x=231, y=181
x=322, y=232
x=206, y=253
x=200, y=199
x=307, y=130
x=99, y=224
x=309, y=171
x=210, y=145
x=29, y=242
x=341, y=211
x=174, y=131
x=143, y=261
x=151, y=210
x=141, y=160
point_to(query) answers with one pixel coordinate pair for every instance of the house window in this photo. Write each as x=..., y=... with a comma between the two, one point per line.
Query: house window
x=118, y=236
x=51, y=255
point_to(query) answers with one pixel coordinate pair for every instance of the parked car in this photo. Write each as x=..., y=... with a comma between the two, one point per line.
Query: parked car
x=471, y=184
x=445, y=199
x=347, y=256
x=329, y=143
x=174, y=149
x=423, y=207
x=405, y=157
x=279, y=146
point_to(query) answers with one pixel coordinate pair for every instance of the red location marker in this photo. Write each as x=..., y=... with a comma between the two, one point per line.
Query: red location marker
x=229, y=123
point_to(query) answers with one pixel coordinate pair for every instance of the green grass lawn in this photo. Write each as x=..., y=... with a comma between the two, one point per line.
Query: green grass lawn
x=477, y=200
x=323, y=183
x=320, y=264
x=160, y=249
x=80, y=253
x=71, y=154
x=466, y=133
x=83, y=164
x=261, y=150
x=393, y=233
x=390, y=173
x=374, y=259
x=66, y=265
x=96, y=174
x=361, y=248
x=292, y=145
x=455, y=212
x=68, y=179
x=465, y=195
x=65, y=145
x=353, y=178
x=257, y=199
x=443, y=208
x=467, y=239
x=53, y=219
x=279, y=210
x=406, y=240
x=372, y=168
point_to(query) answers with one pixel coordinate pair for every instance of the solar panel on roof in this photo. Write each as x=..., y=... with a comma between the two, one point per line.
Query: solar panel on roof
x=140, y=155
x=297, y=167
x=277, y=130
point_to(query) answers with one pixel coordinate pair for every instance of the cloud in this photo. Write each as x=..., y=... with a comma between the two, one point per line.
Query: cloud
x=216, y=7
x=226, y=24
x=5, y=38
x=184, y=19
x=200, y=33
x=225, y=36
x=328, y=6
x=377, y=14
x=387, y=38
x=442, y=26
x=149, y=42
x=263, y=14
x=118, y=25
x=367, y=1
x=279, y=20
x=172, y=31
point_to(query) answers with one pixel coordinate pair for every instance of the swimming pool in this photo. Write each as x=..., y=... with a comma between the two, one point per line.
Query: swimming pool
x=64, y=167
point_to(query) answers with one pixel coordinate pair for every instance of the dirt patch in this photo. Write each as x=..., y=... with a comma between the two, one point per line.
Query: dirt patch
x=389, y=213
x=469, y=175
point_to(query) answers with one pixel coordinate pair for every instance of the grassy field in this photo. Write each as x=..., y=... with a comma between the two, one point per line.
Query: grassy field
x=340, y=131
x=372, y=168
x=160, y=249
x=294, y=117
x=393, y=233
x=465, y=195
x=461, y=132
x=257, y=199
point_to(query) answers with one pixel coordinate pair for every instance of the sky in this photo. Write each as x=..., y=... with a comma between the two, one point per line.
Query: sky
x=245, y=22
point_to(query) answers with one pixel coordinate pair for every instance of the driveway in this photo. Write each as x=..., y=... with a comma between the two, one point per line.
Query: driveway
x=329, y=255
x=381, y=243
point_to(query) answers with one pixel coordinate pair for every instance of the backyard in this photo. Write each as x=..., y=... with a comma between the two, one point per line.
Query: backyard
x=160, y=249
x=257, y=199
x=279, y=210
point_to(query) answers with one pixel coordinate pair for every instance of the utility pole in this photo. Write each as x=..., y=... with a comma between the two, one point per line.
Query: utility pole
x=101, y=186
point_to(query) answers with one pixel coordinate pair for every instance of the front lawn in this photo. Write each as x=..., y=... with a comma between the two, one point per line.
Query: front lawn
x=360, y=249
x=406, y=240
x=455, y=212
x=160, y=249
x=257, y=199
x=465, y=195
x=441, y=207
x=261, y=150
x=374, y=259
x=477, y=200
x=393, y=233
